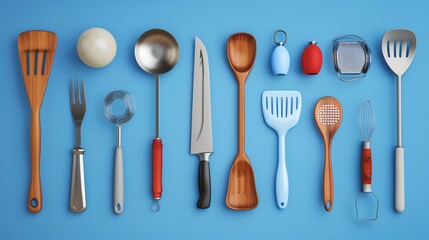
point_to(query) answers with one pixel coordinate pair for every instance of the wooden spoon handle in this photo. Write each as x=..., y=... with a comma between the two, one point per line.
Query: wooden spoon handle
x=241, y=114
x=328, y=181
x=35, y=194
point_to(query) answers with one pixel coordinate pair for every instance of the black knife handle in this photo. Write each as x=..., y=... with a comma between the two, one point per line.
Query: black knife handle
x=204, y=185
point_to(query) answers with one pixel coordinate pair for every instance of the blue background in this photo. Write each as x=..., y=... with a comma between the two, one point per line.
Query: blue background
x=213, y=22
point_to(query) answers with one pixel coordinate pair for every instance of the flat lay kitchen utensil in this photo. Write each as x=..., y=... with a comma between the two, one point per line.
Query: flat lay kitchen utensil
x=352, y=57
x=281, y=110
x=399, y=47
x=157, y=52
x=328, y=114
x=312, y=58
x=119, y=119
x=366, y=202
x=201, y=130
x=78, y=108
x=241, y=195
x=36, y=54
x=280, y=59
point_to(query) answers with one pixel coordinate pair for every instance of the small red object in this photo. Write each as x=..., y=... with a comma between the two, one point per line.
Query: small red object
x=312, y=58
x=157, y=168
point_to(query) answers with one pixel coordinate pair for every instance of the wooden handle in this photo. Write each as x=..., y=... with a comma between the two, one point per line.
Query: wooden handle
x=35, y=195
x=328, y=181
x=241, y=114
x=157, y=168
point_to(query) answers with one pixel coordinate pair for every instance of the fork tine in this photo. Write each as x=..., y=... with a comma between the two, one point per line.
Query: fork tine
x=83, y=94
x=72, y=92
x=78, y=101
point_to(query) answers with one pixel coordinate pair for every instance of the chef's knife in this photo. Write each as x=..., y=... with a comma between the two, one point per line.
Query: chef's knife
x=201, y=132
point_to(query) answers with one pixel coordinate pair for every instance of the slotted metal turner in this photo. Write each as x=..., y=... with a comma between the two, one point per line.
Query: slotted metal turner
x=399, y=48
x=282, y=110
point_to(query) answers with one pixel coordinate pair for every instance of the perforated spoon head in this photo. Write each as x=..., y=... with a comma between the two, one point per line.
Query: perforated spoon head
x=399, y=47
x=328, y=115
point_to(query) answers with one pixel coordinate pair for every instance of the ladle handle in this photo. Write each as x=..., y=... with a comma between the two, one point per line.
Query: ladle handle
x=118, y=185
x=157, y=168
x=35, y=194
x=328, y=181
x=366, y=167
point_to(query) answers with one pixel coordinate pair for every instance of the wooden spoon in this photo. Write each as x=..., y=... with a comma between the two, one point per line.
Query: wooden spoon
x=242, y=195
x=36, y=54
x=328, y=114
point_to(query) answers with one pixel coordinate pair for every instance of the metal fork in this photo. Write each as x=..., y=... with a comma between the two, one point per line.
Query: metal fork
x=78, y=108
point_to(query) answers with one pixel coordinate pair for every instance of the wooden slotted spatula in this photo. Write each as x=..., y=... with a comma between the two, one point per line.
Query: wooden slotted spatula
x=36, y=54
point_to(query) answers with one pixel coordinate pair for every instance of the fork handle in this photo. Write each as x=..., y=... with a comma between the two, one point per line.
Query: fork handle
x=282, y=181
x=35, y=194
x=77, y=194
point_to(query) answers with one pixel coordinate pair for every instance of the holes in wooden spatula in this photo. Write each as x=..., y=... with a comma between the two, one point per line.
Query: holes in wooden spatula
x=44, y=62
x=27, y=54
x=36, y=57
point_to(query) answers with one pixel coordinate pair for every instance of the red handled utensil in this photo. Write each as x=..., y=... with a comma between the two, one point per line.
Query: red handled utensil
x=366, y=202
x=156, y=52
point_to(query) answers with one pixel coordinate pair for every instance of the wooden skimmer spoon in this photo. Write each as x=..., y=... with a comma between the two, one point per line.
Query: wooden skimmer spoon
x=328, y=114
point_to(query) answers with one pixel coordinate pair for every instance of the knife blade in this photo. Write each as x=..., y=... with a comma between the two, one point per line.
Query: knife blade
x=201, y=130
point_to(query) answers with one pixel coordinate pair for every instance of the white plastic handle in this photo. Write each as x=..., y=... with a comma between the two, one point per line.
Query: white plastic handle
x=118, y=185
x=399, y=180
x=282, y=181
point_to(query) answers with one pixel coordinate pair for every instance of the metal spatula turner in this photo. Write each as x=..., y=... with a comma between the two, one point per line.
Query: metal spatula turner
x=281, y=112
x=399, y=48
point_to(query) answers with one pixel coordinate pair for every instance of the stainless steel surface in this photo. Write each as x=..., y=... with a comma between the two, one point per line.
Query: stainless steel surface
x=399, y=47
x=201, y=132
x=352, y=57
x=366, y=121
x=157, y=102
x=280, y=43
x=78, y=193
x=78, y=109
x=157, y=52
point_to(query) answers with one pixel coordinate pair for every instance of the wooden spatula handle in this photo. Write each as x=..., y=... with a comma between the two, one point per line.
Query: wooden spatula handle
x=35, y=194
x=328, y=181
x=241, y=117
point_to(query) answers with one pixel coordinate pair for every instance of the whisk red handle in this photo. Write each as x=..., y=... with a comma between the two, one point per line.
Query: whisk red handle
x=366, y=165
